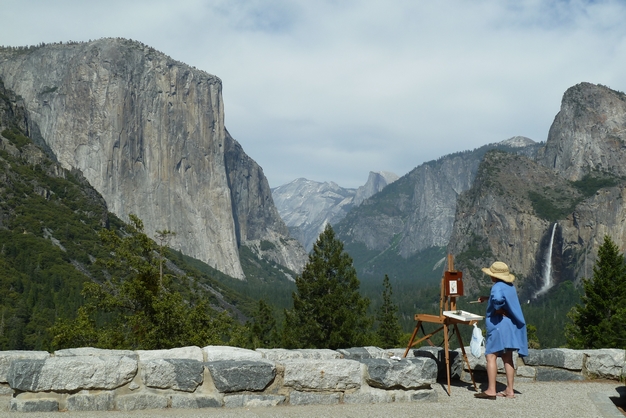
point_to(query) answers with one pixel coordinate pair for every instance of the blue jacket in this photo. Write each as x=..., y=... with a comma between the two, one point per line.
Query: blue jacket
x=505, y=331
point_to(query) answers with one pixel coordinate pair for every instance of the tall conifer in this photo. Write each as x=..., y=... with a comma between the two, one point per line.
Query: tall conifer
x=389, y=330
x=328, y=310
x=599, y=321
x=263, y=328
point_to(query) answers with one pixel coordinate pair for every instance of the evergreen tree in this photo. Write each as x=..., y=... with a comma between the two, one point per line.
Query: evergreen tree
x=263, y=330
x=328, y=310
x=136, y=309
x=598, y=322
x=389, y=330
x=533, y=340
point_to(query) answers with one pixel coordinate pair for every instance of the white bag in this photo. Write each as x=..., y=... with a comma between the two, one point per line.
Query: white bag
x=477, y=342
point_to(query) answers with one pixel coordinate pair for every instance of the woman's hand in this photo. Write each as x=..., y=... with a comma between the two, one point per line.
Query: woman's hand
x=482, y=299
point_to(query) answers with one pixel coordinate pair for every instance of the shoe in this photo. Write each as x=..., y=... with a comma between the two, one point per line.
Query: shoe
x=504, y=395
x=483, y=395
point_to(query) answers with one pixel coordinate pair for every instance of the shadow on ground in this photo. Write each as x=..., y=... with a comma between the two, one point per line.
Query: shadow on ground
x=620, y=401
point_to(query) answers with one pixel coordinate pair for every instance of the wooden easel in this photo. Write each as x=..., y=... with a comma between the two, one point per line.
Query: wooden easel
x=451, y=288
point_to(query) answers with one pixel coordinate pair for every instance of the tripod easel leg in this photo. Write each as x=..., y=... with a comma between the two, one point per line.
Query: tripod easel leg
x=411, y=343
x=425, y=337
x=446, y=348
x=465, y=356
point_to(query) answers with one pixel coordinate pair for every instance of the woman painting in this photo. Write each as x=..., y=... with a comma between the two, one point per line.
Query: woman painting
x=506, y=329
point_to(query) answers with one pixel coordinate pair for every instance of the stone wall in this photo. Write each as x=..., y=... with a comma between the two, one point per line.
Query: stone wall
x=84, y=379
x=213, y=376
x=549, y=365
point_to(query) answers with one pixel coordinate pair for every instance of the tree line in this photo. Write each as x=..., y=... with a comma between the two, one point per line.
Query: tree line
x=136, y=308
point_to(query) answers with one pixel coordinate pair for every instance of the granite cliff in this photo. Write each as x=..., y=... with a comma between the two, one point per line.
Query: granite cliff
x=575, y=187
x=388, y=231
x=148, y=133
x=588, y=133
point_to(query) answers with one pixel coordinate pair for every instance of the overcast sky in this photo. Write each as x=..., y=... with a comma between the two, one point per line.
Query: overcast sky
x=330, y=90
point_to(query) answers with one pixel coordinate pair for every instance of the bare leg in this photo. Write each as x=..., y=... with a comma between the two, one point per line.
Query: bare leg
x=492, y=373
x=509, y=368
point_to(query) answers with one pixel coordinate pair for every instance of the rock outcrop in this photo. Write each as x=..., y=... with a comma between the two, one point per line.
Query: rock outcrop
x=496, y=218
x=256, y=218
x=148, y=133
x=589, y=133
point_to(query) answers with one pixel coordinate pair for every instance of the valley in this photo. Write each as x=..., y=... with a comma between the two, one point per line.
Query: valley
x=95, y=132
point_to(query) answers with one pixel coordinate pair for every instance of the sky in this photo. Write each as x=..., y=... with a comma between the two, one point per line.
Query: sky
x=330, y=90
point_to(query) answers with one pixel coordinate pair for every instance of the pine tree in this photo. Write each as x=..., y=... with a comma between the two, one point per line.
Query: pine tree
x=389, y=330
x=136, y=309
x=533, y=340
x=598, y=322
x=328, y=310
x=263, y=328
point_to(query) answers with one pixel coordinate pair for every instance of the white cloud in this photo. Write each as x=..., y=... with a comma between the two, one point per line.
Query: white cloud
x=330, y=90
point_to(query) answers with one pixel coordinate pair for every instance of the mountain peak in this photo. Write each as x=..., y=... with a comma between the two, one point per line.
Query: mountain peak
x=307, y=206
x=376, y=181
x=588, y=132
x=517, y=142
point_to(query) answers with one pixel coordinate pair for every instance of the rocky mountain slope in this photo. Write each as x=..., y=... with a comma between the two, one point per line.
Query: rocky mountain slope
x=387, y=233
x=307, y=206
x=575, y=187
x=50, y=219
x=148, y=133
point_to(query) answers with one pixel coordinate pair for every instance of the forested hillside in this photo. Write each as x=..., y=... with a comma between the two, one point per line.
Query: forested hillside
x=50, y=244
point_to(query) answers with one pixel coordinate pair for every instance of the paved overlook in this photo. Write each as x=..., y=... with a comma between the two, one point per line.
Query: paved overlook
x=547, y=399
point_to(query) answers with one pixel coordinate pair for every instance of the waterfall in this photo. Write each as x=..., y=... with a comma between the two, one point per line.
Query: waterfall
x=547, y=266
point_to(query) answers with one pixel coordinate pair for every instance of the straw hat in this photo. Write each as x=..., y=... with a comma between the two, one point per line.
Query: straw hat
x=499, y=270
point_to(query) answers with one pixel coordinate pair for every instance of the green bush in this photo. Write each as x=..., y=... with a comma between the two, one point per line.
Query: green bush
x=590, y=184
x=16, y=137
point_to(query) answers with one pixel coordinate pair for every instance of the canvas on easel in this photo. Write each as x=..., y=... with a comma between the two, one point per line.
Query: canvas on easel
x=449, y=317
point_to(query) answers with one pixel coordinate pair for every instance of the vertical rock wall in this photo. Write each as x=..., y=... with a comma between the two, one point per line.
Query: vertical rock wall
x=588, y=133
x=147, y=132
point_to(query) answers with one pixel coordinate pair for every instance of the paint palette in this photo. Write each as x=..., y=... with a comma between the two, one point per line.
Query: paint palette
x=463, y=315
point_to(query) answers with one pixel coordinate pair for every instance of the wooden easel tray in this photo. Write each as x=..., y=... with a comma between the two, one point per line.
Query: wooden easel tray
x=463, y=315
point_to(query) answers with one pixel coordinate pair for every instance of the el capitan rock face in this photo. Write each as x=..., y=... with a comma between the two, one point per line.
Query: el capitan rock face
x=148, y=133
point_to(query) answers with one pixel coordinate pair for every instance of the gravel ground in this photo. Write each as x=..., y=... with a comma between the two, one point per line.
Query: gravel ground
x=540, y=399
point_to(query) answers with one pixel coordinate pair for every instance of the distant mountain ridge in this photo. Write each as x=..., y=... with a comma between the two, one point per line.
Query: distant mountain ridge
x=307, y=206
x=387, y=233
